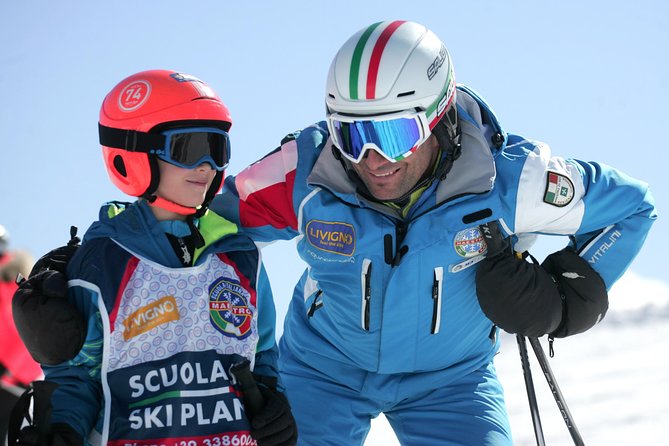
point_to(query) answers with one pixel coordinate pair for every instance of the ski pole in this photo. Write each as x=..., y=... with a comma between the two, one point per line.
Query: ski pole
x=531, y=396
x=40, y=394
x=555, y=389
x=253, y=400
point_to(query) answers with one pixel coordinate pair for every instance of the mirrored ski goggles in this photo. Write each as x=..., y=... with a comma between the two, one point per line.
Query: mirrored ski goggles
x=395, y=136
x=190, y=147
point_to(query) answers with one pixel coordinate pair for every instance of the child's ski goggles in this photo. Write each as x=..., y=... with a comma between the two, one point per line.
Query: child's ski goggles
x=183, y=147
x=190, y=147
x=395, y=136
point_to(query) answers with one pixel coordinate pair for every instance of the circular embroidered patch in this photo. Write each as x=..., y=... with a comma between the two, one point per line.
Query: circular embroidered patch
x=469, y=242
x=229, y=309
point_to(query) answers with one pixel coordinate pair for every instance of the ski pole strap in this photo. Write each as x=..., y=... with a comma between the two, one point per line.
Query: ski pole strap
x=74, y=240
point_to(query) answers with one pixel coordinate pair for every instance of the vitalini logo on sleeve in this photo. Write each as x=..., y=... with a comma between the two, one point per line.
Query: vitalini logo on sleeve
x=156, y=313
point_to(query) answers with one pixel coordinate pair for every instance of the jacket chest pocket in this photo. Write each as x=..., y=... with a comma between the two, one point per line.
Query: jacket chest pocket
x=316, y=302
x=437, y=287
x=366, y=293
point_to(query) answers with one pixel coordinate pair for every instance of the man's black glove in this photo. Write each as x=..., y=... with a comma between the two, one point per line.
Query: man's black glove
x=585, y=299
x=274, y=424
x=517, y=296
x=52, y=329
x=60, y=434
x=560, y=297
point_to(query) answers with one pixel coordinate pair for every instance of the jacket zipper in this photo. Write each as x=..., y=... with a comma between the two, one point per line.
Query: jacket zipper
x=316, y=304
x=365, y=279
x=436, y=299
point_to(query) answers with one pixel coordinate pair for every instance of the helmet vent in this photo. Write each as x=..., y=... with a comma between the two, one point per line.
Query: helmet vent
x=119, y=165
x=406, y=93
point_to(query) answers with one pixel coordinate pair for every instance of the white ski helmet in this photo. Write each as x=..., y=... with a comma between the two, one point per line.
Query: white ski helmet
x=391, y=67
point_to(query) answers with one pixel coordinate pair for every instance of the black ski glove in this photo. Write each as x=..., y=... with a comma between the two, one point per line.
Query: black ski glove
x=563, y=296
x=274, y=424
x=51, y=327
x=517, y=296
x=60, y=434
x=585, y=300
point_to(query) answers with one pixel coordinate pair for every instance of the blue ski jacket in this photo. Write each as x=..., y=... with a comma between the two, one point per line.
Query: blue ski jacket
x=393, y=294
x=161, y=337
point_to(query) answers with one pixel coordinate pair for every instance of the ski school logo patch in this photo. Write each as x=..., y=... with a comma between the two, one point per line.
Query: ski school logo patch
x=469, y=243
x=334, y=237
x=559, y=190
x=229, y=309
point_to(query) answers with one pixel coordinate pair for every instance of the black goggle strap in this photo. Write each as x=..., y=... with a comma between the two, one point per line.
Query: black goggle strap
x=131, y=140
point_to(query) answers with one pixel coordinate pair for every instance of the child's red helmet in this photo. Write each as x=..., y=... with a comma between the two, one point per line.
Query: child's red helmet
x=143, y=105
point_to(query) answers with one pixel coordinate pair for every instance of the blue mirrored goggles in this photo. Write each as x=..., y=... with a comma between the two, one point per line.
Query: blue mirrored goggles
x=395, y=136
x=190, y=147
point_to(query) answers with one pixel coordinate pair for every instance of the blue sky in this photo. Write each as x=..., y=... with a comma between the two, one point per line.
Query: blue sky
x=589, y=78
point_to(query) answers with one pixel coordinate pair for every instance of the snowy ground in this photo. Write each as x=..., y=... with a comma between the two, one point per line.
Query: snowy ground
x=614, y=377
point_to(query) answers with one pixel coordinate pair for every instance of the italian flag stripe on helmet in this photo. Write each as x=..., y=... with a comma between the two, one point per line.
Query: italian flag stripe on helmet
x=357, y=57
x=375, y=59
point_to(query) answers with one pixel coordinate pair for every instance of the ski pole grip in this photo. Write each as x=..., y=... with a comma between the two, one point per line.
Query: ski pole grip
x=253, y=400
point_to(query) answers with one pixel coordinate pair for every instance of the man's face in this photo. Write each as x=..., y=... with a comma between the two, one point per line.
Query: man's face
x=386, y=180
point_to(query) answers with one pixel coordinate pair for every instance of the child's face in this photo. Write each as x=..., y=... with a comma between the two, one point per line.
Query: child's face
x=186, y=187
